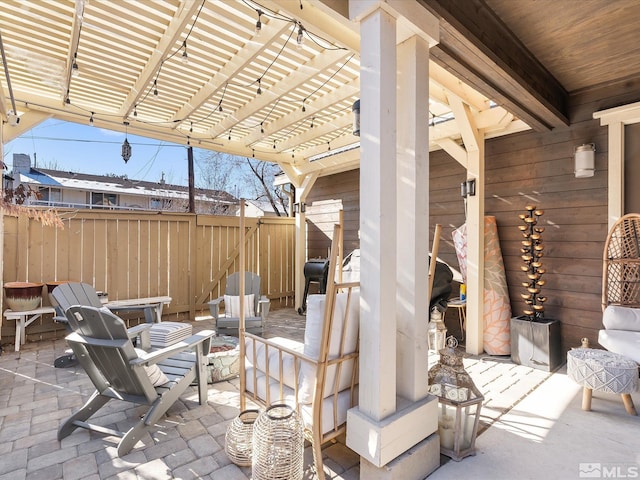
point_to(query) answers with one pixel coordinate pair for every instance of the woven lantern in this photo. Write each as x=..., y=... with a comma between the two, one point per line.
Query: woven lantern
x=459, y=403
x=278, y=444
x=238, y=441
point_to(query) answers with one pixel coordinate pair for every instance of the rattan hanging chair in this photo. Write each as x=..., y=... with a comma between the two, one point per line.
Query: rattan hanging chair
x=621, y=263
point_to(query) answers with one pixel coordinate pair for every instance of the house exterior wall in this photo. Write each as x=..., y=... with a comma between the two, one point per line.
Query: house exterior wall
x=521, y=169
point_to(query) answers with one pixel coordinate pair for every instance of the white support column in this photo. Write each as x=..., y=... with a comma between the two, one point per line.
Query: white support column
x=475, y=252
x=413, y=218
x=392, y=427
x=615, y=180
x=301, y=236
x=378, y=215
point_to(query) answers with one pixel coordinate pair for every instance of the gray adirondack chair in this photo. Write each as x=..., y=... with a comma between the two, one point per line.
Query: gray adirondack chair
x=75, y=293
x=253, y=323
x=102, y=345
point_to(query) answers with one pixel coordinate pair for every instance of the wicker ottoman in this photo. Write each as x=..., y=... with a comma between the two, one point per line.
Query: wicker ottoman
x=603, y=371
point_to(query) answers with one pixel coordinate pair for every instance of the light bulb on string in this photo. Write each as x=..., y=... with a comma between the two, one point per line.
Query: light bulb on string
x=304, y=109
x=191, y=128
x=67, y=100
x=229, y=134
x=135, y=110
x=261, y=128
x=258, y=23
x=220, y=106
x=300, y=37
x=312, y=119
x=185, y=56
x=155, y=89
x=259, y=87
x=274, y=144
x=91, y=119
x=75, y=71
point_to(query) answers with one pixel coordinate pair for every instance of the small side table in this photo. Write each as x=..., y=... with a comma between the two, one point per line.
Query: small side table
x=603, y=371
x=461, y=307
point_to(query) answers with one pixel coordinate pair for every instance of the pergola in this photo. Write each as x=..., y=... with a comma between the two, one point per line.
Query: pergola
x=277, y=81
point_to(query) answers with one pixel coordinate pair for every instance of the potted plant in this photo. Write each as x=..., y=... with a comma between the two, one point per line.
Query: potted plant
x=535, y=340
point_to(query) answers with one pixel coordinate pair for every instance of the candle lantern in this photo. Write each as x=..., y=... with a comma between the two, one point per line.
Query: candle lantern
x=436, y=330
x=459, y=401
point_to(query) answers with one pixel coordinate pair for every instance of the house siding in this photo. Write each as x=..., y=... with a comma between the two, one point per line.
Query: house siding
x=520, y=169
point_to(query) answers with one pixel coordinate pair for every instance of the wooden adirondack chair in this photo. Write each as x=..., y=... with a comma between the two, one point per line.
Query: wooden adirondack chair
x=257, y=306
x=102, y=345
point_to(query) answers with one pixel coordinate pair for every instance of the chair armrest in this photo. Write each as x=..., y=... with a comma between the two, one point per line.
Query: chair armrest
x=263, y=307
x=141, y=331
x=214, y=307
x=203, y=337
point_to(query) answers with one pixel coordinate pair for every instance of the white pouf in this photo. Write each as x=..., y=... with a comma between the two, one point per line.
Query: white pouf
x=603, y=371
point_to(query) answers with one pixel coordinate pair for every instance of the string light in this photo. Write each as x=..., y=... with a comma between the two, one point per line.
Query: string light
x=300, y=37
x=303, y=107
x=75, y=71
x=67, y=100
x=185, y=56
x=312, y=119
x=259, y=89
x=230, y=133
x=261, y=128
x=155, y=89
x=91, y=119
x=258, y=23
x=191, y=128
x=135, y=110
x=274, y=144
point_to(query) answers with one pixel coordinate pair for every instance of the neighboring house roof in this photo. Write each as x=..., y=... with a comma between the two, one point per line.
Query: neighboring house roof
x=115, y=184
x=264, y=206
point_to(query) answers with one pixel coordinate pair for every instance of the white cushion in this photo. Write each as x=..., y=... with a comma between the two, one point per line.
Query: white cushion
x=272, y=358
x=624, y=342
x=343, y=340
x=156, y=375
x=616, y=317
x=232, y=305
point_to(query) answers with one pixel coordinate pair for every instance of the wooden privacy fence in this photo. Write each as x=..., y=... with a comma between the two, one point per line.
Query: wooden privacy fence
x=147, y=254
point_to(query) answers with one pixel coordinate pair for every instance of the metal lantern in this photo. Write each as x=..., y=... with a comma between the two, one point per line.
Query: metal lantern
x=436, y=331
x=459, y=401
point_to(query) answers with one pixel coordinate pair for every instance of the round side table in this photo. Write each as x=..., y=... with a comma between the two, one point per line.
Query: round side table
x=603, y=371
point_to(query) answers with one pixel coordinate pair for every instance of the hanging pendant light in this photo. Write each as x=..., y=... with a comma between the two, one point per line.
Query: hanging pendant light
x=126, y=146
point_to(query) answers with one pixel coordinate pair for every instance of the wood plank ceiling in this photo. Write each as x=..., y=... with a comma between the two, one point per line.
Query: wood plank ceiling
x=283, y=93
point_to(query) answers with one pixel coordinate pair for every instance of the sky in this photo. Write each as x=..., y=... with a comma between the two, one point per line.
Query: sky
x=60, y=145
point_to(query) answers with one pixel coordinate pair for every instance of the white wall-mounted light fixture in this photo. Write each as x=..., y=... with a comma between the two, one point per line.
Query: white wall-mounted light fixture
x=356, y=117
x=584, y=158
x=12, y=118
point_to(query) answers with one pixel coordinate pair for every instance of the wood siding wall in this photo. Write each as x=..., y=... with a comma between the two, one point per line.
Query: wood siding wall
x=133, y=255
x=522, y=169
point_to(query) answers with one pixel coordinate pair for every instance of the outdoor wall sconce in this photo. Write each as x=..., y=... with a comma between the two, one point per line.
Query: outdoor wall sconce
x=13, y=118
x=468, y=188
x=356, y=117
x=299, y=207
x=584, y=158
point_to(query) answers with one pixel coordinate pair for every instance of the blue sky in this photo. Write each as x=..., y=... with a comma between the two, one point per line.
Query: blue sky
x=86, y=149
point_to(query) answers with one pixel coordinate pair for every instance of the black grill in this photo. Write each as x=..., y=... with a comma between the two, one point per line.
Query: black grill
x=315, y=270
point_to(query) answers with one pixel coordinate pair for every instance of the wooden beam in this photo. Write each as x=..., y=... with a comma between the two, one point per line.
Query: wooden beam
x=479, y=49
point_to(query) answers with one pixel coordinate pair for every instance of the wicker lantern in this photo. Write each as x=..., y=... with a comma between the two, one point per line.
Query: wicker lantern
x=238, y=441
x=278, y=444
x=459, y=401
